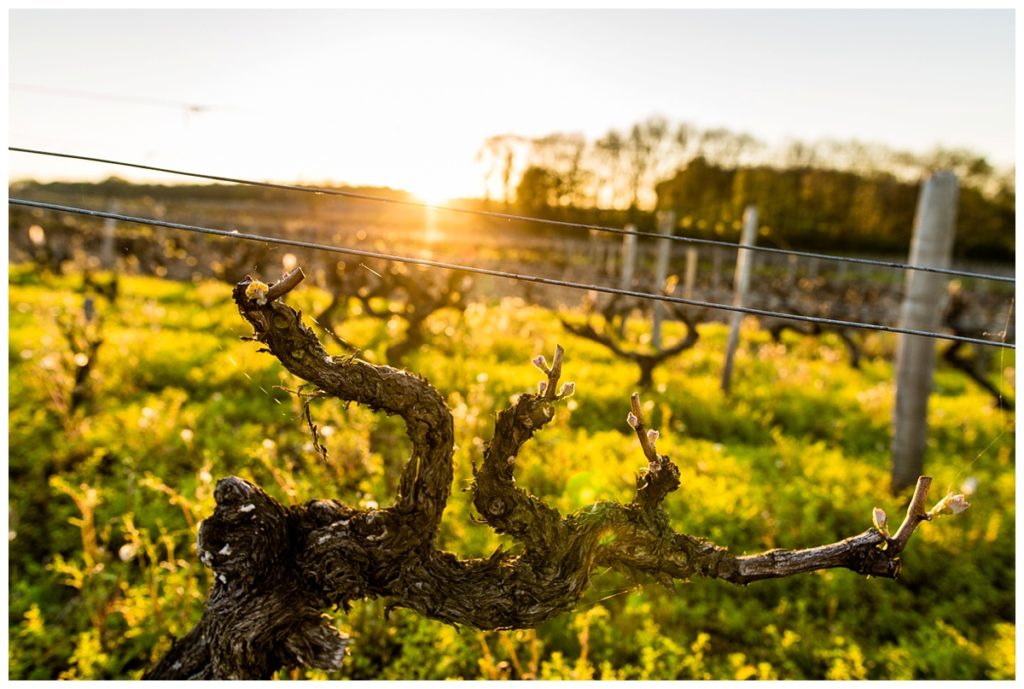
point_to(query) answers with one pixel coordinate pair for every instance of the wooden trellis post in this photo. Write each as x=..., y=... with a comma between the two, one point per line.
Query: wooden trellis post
x=628, y=258
x=628, y=265
x=742, y=281
x=107, y=243
x=923, y=302
x=666, y=223
x=595, y=253
x=691, y=272
x=792, y=267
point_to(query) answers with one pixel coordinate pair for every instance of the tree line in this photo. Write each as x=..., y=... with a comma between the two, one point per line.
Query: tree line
x=843, y=195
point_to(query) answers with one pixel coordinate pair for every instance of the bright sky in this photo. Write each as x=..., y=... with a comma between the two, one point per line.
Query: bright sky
x=405, y=98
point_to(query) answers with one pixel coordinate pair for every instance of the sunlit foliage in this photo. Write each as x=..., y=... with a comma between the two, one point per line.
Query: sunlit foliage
x=105, y=498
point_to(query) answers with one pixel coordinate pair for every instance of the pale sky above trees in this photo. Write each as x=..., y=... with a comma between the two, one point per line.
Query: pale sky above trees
x=407, y=98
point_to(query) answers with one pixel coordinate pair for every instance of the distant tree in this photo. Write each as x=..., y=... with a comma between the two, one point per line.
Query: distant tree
x=538, y=191
x=563, y=156
x=700, y=189
x=807, y=206
x=649, y=150
x=971, y=168
x=498, y=155
x=610, y=150
x=723, y=147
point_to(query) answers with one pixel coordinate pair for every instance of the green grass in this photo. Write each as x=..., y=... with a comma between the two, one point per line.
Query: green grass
x=105, y=501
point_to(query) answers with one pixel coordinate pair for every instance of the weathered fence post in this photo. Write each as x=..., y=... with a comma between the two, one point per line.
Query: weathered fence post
x=628, y=258
x=923, y=302
x=594, y=253
x=742, y=280
x=628, y=266
x=666, y=224
x=716, y=268
x=792, y=266
x=107, y=244
x=690, y=277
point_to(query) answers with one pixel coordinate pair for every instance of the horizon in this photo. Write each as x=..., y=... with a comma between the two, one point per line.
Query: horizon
x=990, y=183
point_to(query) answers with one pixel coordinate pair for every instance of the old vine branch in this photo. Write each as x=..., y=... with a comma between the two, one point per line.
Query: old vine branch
x=872, y=552
x=278, y=568
x=610, y=336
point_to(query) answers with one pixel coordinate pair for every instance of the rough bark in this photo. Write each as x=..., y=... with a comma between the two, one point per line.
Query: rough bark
x=278, y=567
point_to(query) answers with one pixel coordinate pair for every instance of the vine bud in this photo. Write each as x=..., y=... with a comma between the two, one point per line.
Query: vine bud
x=881, y=521
x=951, y=504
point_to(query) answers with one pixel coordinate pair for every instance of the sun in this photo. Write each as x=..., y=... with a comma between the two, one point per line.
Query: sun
x=433, y=195
x=437, y=186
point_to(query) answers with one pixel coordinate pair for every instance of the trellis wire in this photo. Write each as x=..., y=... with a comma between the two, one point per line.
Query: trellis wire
x=523, y=218
x=496, y=273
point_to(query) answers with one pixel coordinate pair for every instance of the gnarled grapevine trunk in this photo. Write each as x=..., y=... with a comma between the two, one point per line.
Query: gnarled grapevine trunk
x=278, y=567
x=609, y=335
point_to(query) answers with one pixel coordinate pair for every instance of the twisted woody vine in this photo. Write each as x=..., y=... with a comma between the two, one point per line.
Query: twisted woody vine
x=278, y=568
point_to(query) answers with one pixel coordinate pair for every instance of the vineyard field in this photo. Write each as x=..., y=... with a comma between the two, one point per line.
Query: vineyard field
x=106, y=493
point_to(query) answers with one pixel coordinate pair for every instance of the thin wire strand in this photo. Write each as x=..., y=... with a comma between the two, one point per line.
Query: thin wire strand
x=509, y=216
x=496, y=273
x=1001, y=408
